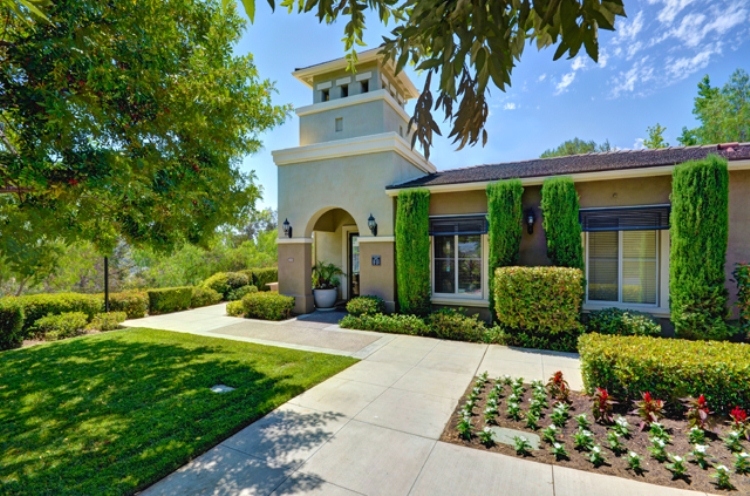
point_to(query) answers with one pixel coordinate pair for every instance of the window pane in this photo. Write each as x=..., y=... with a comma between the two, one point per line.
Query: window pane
x=444, y=246
x=639, y=268
x=470, y=276
x=445, y=276
x=470, y=246
x=603, y=254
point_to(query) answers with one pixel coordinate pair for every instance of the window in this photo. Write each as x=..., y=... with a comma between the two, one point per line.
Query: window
x=401, y=131
x=325, y=95
x=364, y=86
x=458, y=259
x=622, y=250
x=344, y=90
x=339, y=124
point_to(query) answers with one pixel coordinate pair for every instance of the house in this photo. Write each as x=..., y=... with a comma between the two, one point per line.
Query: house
x=338, y=192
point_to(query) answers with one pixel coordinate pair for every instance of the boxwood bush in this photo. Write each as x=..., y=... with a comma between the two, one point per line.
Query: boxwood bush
x=235, y=309
x=203, y=296
x=11, y=323
x=40, y=305
x=267, y=306
x=539, y=307
x=107, y=321
x=261, y=277
x=413, y=251
x=699, y=229
x=622, y=322
x=133, y=303
x=365, y=305
x=239, y=293
x=61, y=326
x=397, y=324
x=224, y=282
x=449, y=323
x=668, y=368
x=167, y=300
x=560, y=221
x=505, y=213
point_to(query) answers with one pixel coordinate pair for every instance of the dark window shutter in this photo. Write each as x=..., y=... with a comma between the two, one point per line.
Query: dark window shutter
x=647, y=218
x=446, y=226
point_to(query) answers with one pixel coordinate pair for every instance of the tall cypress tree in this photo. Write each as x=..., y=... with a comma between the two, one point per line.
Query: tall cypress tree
x=561, y=225
x=413, y=251
x=505, y=212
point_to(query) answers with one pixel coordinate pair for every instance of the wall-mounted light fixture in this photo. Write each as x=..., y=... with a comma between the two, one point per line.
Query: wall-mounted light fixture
x=530, y=218
x=287, y=228
x=372, y=225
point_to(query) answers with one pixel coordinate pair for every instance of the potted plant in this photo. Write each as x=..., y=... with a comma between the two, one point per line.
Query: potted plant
x=325, y=283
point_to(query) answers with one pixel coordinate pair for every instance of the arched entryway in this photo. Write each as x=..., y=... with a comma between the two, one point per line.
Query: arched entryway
x=335, y=239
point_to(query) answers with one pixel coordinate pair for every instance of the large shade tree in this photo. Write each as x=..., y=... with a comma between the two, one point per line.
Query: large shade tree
x=125, y=121
x=468, y=45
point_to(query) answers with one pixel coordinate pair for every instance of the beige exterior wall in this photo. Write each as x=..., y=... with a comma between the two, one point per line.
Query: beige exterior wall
x=361, y=119
x=354, y=86
x=465, y=202
x=378, y=280
x=294, y=275
x=330, y=241
x=738, y=249
x=625, y=192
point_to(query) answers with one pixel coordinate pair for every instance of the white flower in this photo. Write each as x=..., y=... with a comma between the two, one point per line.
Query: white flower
x=721, y=468
x=557, y=446
x=586, y=433
x=700, y=448
x=677, y=459
x=742, y=455
x=552, y=427
x=694, y=429
x=487, y=429
x=596, y=449
x=622, y=421
x=633, y=454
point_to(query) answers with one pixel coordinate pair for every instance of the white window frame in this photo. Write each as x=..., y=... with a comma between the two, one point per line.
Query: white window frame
x=458, y=298
x=619, y=303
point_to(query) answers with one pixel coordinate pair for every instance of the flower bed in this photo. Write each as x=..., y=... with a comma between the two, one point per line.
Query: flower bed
x=668, y=452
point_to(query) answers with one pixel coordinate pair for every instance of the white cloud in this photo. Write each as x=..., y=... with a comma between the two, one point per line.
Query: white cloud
x=603, y=58
x=509, y=106
x=671, y=9
x=684, y=66
x=638, y=145
x=629, y=30
x=695, y=27
x=566, y=81
x=542, y=78
x=578, y=63
x=625, y=82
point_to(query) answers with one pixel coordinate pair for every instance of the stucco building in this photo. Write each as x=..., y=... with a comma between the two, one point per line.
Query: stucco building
x=355, y=156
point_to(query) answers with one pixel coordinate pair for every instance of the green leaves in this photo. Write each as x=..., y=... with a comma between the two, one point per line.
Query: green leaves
x=413, y=251
x=561, y=224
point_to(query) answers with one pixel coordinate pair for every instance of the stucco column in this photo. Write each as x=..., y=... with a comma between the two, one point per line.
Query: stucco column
x=295, y=262
x=378, y=280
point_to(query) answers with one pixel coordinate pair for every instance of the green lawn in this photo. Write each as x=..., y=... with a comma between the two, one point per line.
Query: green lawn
x=114, y=412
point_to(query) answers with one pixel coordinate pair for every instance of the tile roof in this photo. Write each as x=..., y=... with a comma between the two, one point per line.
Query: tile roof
x=575, y=164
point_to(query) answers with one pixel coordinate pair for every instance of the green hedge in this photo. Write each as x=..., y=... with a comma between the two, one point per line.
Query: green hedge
x=622, y=322
x=699, y=229
x=505, y=212
x=267, y=306
x=241, y=292
x=203, y=296
x=224, y=282
x=261, y=277
x=11, y=323
x=365, y=305
x=60, y=326
x=235, y=309
x=413, y=251
x=397, y=324
x=40, y=305
x=741, y=275
x=107, y=321
x=449, y=323
x=561, y=224
x=133, y=303
x=166, y=300
x=539, y=307
x=668, y=368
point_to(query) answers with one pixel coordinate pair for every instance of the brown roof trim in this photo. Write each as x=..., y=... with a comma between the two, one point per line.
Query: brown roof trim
x=577, y=164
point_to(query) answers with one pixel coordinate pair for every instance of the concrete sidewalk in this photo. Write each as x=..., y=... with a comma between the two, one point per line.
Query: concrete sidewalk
x=373, y=429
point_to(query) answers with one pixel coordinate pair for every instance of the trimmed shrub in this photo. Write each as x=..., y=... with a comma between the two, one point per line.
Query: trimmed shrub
x=413, y=251
x=267, y=306
x=622, y=322
x=239, y=293
x=539, y=307
x=668, y=368
x=560, y=221
x=40, y=305
x=203, y=296
x=741, y=275
x=235, y=309
x=505, y=212
x=261, y=277
x=61, y=326
x=107, y=321
x=397, y=324
x=167, y=300
x=11, y=323
x=699, y=229
x=133, y=303
x=365, y=305
x=224, y=282
x=449, y=323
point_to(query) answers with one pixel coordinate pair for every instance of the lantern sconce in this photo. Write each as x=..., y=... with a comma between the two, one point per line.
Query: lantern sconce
x=372, y=225
x=530, y=218
x=287, y=228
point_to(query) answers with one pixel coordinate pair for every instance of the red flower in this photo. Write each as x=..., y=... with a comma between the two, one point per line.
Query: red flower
x=72, y=181
x=738, y=415
x=701, y=401
x=647, y=397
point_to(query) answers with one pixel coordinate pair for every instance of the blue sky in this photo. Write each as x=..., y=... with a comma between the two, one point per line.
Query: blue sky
x=647, y=73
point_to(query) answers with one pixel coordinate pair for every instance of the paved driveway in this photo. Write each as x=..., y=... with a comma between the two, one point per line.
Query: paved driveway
x=373, y=429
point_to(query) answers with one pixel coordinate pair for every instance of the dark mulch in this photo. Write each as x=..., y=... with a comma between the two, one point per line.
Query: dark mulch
x=653, y=472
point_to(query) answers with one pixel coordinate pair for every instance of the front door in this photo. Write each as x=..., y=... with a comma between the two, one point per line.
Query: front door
x=353, y=269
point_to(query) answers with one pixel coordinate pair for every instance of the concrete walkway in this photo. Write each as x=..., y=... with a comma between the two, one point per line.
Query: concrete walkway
x=373, y=429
